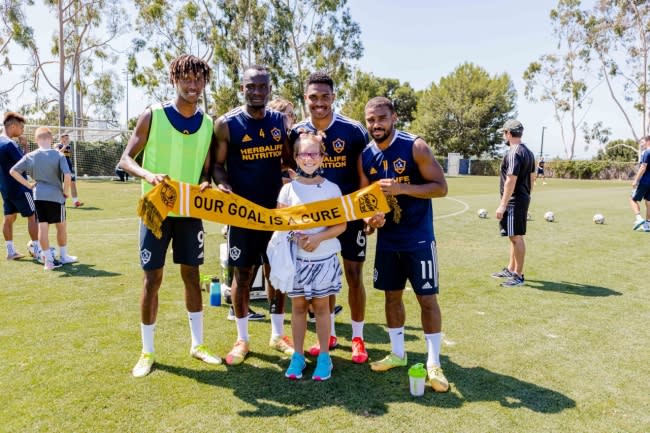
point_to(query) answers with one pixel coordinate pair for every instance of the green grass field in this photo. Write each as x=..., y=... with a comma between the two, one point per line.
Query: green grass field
x=568, y=352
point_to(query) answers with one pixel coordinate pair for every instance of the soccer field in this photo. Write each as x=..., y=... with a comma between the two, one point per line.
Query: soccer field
x=567, y=352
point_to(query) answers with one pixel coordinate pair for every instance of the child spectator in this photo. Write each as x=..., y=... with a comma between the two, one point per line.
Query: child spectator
x=46, y=166
x=318, y=271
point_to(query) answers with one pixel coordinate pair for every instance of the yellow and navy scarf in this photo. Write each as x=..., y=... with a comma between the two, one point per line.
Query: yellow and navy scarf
x=185, y=200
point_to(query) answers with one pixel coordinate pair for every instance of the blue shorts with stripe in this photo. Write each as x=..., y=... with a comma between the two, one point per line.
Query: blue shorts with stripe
x=641, y=192
x=419, y=267
x=22, y=203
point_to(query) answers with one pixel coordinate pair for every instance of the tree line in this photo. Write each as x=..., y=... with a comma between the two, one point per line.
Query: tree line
x=459, y=113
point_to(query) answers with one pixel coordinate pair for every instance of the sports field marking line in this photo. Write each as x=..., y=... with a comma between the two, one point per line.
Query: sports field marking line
x=462, y=211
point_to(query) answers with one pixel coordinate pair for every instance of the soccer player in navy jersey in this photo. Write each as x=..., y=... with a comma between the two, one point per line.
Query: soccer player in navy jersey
x=175, y=138
x=516, y=184
x=251, y=149
x=344, y=141
x=407, y=170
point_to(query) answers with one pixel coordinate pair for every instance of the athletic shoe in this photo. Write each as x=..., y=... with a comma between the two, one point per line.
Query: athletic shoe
x=311, y=318
x=504, y=273
x=515, y=281
x=437, y=379
x=143, y=367
x=68, y=259
x=41, y=256
x=15, y=256
x=202, y=353
x=50, y=265
x=238, y=353
x=646, y=227
x=638, y=224
x=323, y=369
x=390, y=361
x=282, y=344
x=33, y=251
x=78, y=204
x=359, y=354
x=296, y=366
x=315, y=349
x=252, y=315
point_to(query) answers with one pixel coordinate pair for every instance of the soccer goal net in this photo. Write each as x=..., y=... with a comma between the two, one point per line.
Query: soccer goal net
x=94, y=152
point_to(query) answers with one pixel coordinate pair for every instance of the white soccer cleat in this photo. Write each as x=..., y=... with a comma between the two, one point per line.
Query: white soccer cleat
x=68, y=259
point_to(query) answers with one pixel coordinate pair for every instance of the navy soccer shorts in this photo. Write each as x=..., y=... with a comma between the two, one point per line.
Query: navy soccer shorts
x=186, y=236
x=419, y=267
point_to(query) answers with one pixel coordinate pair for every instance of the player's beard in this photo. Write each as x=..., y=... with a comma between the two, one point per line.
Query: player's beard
x=384, y=137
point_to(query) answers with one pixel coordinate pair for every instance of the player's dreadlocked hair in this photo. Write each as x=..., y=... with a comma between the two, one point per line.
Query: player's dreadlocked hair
x=188, y=64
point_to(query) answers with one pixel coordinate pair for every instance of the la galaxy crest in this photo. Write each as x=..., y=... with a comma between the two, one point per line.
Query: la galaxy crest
x=168, y=195
x=368, y=202
x=276, y=134
x=338, y=145
x=399, y=165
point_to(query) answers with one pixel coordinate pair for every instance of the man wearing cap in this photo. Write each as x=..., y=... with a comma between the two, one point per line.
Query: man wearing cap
x=66, y=149
x=15, y=197
x=517, y=178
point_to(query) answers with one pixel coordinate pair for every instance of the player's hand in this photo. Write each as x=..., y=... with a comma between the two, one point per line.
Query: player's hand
x=224, y=188
x=377, y=220
x=390, y=186
x=205, y=185
x=500, y=211
x=155, y=179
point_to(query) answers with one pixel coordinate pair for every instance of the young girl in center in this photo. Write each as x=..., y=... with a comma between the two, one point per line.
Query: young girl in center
x=318, y=271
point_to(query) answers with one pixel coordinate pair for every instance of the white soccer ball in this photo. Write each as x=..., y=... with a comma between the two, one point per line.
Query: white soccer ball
x=599, y=218
x=549, y=216
x=482, y=213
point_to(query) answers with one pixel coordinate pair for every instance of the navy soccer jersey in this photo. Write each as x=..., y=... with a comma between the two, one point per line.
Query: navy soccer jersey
x=518, y=161
x=414, y=230
x=254, y=161
x=10, y=154
x=344, y=141
x=645, y=159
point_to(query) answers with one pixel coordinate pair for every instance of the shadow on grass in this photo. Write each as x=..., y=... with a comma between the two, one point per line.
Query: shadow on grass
x=83, y=270
x=572, y=288
x=363, y=392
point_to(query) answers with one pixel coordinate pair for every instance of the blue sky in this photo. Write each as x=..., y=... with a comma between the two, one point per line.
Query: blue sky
x=420, y=41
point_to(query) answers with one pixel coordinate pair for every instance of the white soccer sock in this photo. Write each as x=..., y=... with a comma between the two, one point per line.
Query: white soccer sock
x=10, y=247
x=196, y=327
x=332, y=325
x=277, y=325
x=639, y=217
x=433, y=349
x=63, y=251
x=147, y=337
x=242, y=328
x=74, y=200
x=357, y=329
x=397, y=341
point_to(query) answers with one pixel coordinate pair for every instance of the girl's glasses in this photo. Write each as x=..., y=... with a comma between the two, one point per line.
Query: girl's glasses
x=312, y=155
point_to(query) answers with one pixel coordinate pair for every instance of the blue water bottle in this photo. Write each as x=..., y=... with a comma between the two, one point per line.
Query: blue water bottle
x=215, y=292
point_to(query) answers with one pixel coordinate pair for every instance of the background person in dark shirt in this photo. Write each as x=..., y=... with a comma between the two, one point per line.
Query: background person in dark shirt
x=517, y=177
